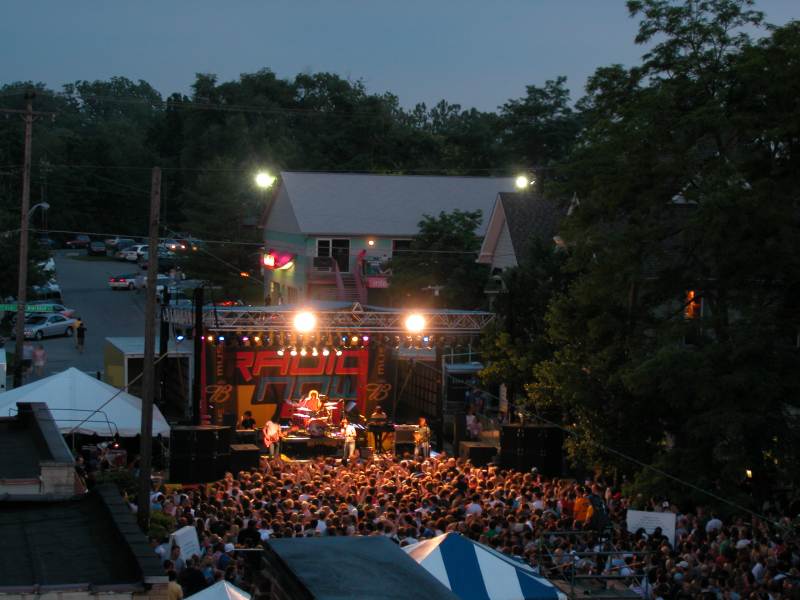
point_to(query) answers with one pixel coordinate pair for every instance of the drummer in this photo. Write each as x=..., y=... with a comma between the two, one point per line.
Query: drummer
x=312, y=402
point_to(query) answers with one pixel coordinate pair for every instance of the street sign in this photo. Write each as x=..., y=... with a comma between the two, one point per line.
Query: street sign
x=12, y=307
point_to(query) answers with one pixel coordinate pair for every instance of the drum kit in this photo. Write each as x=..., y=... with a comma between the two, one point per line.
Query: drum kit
x=318, y=423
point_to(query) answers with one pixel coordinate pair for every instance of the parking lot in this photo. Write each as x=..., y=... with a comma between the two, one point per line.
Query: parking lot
x=106, y=313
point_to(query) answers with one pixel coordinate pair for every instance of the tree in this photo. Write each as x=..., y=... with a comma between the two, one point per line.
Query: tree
x=684, y=181
x=440, y=269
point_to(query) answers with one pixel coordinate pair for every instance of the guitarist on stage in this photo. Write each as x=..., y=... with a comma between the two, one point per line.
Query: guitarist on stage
x=271, y=436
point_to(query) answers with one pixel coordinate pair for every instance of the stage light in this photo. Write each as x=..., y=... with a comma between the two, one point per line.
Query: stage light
x=314, y=352
x=305, y=321
x=245, y=338
x=325, y=352
x=303, y=351
x=280, y=352
x=338, y=353
x=221, y=338
x=426, y=339
x=293, y=352
x=365, y=338
x=370, y=242
x=354, y=339
x=180, y=338
x=415, y=323
x=256, y=339
x=210, y=338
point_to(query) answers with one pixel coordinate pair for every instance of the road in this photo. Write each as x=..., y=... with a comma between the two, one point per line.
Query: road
x=106, y=313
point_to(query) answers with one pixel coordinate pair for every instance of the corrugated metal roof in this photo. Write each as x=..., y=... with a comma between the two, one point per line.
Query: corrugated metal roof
x=384, y=205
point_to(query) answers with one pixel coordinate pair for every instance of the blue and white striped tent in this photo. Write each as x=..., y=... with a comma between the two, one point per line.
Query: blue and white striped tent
x=476, y=572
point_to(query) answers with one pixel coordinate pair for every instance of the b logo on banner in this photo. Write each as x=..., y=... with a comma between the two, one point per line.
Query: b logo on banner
x=219, y=393
x=378, y=392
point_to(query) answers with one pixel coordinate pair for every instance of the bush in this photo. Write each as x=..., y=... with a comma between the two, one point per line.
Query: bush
x=124, y=480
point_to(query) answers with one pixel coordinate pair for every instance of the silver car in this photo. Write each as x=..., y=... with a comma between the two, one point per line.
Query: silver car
x=38, y=326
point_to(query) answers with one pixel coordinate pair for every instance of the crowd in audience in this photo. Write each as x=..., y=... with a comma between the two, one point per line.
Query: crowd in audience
x=557, y=526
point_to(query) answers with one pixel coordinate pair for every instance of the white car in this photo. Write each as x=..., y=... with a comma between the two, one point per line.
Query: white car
x=134, y=253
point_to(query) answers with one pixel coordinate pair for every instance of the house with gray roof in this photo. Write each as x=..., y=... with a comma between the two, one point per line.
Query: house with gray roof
x=515, y=221
x=330, y=236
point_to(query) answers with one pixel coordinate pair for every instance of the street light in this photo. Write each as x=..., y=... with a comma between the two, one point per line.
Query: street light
x=42, y=205
x=264, y=179
x=522, y=182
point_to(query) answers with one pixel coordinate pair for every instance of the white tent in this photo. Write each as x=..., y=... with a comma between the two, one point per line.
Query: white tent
x=73, y=396
x=222, y=590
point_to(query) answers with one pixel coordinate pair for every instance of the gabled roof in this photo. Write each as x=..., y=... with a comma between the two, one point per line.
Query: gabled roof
x=528, y=216
x=382, y=205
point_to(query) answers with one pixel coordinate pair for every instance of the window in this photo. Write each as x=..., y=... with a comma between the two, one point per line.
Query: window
x=336, y=248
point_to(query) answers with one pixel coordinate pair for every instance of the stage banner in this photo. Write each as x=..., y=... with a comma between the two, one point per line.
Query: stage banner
x=264, y=382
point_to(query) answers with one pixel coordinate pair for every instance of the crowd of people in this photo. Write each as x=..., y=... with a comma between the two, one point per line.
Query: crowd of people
x=560, y=527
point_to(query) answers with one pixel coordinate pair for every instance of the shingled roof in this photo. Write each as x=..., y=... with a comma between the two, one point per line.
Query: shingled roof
x=528, y=216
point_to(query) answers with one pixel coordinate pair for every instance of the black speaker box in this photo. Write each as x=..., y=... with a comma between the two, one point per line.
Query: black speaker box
x=200, y=440
x=244, y=457
x=197, y=469
x=523, y=447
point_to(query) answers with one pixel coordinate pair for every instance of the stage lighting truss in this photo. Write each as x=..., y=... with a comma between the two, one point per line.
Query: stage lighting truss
x=354, y=321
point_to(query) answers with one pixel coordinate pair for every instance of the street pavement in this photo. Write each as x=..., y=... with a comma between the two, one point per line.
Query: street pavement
x=106, y=313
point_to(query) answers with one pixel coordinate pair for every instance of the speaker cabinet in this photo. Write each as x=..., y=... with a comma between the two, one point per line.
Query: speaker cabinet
x=244, y=457
x=523, y=447
x=199, y=454
x=479, y=454
x=198, y=469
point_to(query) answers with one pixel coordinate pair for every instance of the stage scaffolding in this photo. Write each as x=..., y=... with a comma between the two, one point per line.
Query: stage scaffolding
x=353, y=319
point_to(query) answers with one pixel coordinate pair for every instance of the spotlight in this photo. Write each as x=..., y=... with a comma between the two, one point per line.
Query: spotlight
x=305, y=321
x=293, y=352
x=221, y=338
x=256, y=339
x=303, y=351
x=210, y=338
x=325, y=352
x=426, y=339
x=280, y=352
x=180, y=338
x=415, y=323
x=354, y=339
x=365, y=338
x=314, y=352
x=245, y=338
x=338, y=353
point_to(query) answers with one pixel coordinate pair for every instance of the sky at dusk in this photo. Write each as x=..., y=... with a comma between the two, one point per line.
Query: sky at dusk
x=474, y=52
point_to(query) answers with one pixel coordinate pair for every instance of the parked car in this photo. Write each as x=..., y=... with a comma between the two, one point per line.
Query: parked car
x=166, y=260
x=80, y=241
x=123, y=282
x=174, y=245
x=47, y=242
x=134, y=253
x=96, y=249
x=39, y=326
x=118, y=243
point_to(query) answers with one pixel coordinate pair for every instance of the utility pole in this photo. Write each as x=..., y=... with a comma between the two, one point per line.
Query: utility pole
x=148, y=372
x=22, y=282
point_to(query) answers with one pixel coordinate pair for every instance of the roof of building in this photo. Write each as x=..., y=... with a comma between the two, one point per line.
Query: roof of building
x=381, y=205
x=134, y=346
x=528, y=215
x=89, y=541
x=334, y=568
x=27, y=438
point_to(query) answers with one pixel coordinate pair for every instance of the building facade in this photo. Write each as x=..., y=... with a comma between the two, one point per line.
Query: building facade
x=331, y=236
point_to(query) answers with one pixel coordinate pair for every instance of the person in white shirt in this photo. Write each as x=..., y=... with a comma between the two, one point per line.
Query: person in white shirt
x=474, y=507
x=350, y=435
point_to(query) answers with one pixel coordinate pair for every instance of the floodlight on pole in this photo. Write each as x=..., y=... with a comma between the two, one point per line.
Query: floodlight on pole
x=522, y=182
x=415, y=323
x=305, y=321
x=264, y=179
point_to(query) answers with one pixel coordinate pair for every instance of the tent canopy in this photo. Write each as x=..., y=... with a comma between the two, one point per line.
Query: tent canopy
x=222, y=590
x=476, y=572
x=72, y=396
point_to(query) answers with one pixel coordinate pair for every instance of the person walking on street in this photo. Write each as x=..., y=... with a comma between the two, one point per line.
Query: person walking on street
x=39, y=360
x=27, y=358
x=80, y=336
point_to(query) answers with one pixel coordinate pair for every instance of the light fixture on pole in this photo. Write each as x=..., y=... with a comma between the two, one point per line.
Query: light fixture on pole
x=415, y=323
x=264, y=179
x=523, y=182
x=305, y=321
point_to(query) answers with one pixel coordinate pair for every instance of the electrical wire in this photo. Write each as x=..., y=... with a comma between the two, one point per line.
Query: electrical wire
x=624, y=456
